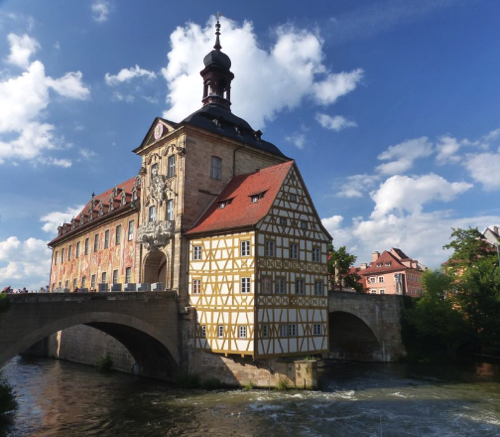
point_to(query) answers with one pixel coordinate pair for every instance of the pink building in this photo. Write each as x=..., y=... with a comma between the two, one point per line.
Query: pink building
x=392, y=272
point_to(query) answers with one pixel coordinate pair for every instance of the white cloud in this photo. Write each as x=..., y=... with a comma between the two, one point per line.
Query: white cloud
x=298, y=140
x=23, y=104
x=100, y=10
x=57, y=218
x=127, y=74
x=447, y=149
x=119, y=97
x=279, y=78
x=86, y=153
x=24, y=263
x=336, y=123
x=357, y=185
x=409, y=194
x=484, y=168
x=21, y=49
x=403, y=155
x=334, y=86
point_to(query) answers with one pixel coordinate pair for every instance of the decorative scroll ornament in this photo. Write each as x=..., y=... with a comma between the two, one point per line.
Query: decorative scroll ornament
x=154, y=235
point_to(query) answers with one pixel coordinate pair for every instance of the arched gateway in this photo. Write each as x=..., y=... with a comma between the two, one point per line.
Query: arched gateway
x=145, y=323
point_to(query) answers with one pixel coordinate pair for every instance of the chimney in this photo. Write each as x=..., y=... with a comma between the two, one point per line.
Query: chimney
x=495, y=229
x=364, y=266
x=375, y=256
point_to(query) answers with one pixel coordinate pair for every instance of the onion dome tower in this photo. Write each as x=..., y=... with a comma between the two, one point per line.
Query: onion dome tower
x=216, y=75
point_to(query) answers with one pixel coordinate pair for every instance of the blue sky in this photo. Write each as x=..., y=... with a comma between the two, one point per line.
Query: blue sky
x=390, y=108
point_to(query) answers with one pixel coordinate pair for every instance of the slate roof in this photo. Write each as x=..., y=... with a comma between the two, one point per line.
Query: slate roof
x=66, y=230
x=220, y=120
x=239, y=211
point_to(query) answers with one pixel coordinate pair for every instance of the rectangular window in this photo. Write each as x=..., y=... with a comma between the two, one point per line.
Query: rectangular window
x=203, y=332
x=282, y=221
x=216, y=168
x=372, y=280
x=92, y=282
x=170, y=209
x=292, y=330
x=115, y=276
x=283, y=330
x=267, y=285
x=103, y=277
x=294, y=251
x=84, y=282
x=245, y=285
x=316, y=255
x=243, y=332
x=380, y=279
x=221, y=331
x=106, y=239
x=130, y=230
x=128, y=275
x=118, y=235
x=96, y=242
x=374, y=291
x=280, y=286
x=382, y=291
x=265, y=331
x=66, y=284
x=77, y=254
x=69, y=252
x=55, y=258
x=74, y=284
x=152, y=214
x=196, y=253
x=171, y=166
x=299, y=286
x=319, y=288
x=270, y=248
x=303, y=224
x=196, y=288
x=317, y=329
x=293, y=197
x=86, y=248
x=245, y=248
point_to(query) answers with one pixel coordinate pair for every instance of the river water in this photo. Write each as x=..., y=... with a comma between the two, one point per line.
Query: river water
x=63, y=399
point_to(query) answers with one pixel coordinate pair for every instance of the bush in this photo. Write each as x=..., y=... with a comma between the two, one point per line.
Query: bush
x=248, y=386
x=7, y=397
x=187, y=380
x=105, y=364
x=211, y=384
x=281, y=385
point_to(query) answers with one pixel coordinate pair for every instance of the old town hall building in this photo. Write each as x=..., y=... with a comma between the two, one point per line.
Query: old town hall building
x=222, y=217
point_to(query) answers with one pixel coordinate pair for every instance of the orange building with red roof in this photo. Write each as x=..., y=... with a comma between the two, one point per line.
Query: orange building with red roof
x=392, y=272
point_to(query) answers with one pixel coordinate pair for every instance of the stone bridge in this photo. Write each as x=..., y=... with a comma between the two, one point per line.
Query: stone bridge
x=146, y=323
x=365, y=327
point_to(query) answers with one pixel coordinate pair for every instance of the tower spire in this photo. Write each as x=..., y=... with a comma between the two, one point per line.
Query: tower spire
x=217, y=75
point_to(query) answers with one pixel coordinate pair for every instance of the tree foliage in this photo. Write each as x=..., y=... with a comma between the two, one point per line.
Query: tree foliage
x=340, y=272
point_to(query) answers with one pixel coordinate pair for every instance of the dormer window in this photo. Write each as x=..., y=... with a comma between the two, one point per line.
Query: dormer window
x=111, y=203
x=388, y=264
x=257, y=134
x=256, y=197
x=237, y=129
x=124, y=198
x=101, y=209
x=224, y=203
x=379, y=265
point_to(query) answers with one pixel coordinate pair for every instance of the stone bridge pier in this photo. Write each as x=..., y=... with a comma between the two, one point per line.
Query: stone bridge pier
x=146, y=323
x=365, y=327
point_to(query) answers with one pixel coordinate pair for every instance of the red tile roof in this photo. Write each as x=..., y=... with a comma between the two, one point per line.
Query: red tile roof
x=240, y=212
x=383, y=259
x=66, y=229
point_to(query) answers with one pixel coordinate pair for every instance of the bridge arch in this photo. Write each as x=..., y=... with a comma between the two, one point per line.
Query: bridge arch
x=352, y=338
x=154, y=350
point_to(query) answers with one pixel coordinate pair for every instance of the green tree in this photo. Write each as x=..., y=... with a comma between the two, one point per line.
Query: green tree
x=475, y=286
x=432, y=328
x=340, y=272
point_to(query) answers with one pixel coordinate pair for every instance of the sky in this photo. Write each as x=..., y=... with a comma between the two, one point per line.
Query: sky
x=390, y=108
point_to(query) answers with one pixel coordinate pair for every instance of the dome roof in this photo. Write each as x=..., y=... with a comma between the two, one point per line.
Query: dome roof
x=217, y=57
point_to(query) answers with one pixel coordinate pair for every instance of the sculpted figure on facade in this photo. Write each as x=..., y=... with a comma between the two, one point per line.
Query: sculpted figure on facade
x=157, y=185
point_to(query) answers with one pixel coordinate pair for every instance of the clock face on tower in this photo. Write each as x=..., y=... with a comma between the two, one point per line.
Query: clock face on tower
x=158, y=131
